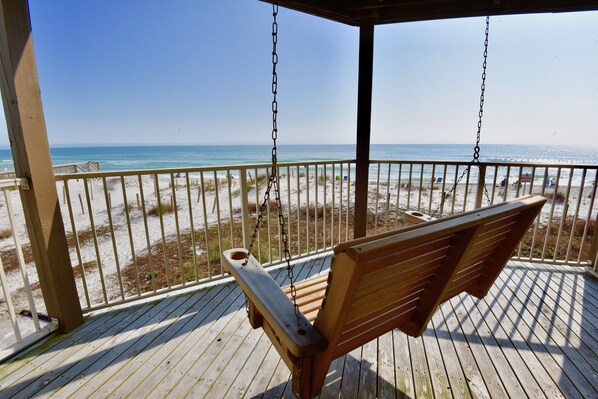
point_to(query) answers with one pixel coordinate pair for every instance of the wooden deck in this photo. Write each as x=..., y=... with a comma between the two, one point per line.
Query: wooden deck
x=534, y=335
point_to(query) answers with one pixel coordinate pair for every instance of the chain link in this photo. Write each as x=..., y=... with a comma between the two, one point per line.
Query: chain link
x=273, y=181
x=476, y=150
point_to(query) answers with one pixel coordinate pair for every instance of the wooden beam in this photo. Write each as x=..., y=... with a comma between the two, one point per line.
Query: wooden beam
x=354, y=12
x=364, y=121
x=31, y=155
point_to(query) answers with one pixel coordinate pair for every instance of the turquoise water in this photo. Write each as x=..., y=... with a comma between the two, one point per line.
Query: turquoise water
x=153, y=157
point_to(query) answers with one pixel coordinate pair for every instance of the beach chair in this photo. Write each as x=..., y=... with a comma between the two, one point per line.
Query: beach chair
x=391, y=280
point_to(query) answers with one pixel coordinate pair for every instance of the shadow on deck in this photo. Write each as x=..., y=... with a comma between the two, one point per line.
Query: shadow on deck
x=534, y=335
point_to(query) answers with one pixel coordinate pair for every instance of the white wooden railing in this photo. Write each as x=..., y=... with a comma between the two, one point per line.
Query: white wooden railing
x=139, y=233
x=20, y=323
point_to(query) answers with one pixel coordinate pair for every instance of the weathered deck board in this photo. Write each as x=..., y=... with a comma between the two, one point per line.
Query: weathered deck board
x=533, y=335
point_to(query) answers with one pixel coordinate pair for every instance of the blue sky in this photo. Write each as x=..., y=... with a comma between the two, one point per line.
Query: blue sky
x=189, y=72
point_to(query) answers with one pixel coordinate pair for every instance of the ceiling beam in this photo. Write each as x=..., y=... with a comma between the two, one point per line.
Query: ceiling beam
x=354, y=12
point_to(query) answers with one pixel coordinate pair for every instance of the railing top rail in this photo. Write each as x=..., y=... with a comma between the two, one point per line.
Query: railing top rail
x=97, y=174
x=14, y=182
x=118, y=173
x=511, y=164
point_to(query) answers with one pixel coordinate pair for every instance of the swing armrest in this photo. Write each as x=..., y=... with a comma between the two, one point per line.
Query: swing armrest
x=273, y=304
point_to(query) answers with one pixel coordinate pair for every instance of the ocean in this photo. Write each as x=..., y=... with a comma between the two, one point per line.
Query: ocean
x=113, y=158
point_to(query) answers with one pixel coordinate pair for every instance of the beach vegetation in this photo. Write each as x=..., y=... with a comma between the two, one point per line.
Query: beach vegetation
x=323, y=179
x=208, y=185
x=129, y=207
x=87, y=267
x=271, y=206
x=5, y=233
x=160, y=209
x=559, y=197
x=86, y=236
x=547, y=235
x=262, y=180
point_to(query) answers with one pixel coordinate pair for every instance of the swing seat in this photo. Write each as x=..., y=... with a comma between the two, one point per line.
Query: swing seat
x=391, y=280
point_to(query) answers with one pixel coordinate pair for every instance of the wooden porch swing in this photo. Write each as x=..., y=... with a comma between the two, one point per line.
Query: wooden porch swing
x=375, y=284
x=391, y=280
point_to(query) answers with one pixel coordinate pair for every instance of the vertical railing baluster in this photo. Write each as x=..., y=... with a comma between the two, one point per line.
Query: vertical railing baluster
x=480, y=186
x=576, y=215
x=505, y=194
x=377, y=198
x=316, y=208
x=466, y=191
x=333, y=203
x=298, y=212
x=206, y=224
x=432, y=182
x=147, y=236
x=389, y=165
x=21, y=259
x=95, y=241
x=218, y=219
x=442, y=195
x=289, y=208
x=548, y=226
x=192, y=226
x=307, y=208
x=588, y=221
x=77, y=245
x=325, y=208
x=410, y=182
x=564, y=212
x=130, y=234
x=160, y=211
x=246, y=229
x=493, y=185
x=421, y=186
x=11, y=309
x=113, y=237
x=398, y=206
x=538, y=218
x=175, y=206
x=456, y=189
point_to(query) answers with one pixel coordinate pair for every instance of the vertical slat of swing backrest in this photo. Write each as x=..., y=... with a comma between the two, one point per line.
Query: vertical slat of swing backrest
x=434, y=291
x=389, y=290
x=342, y=284
x=495, y=263
x=400, y=283
x=490, y=238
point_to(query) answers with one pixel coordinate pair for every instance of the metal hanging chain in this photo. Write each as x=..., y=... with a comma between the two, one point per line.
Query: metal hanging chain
x=476, y=149
x=273, y=181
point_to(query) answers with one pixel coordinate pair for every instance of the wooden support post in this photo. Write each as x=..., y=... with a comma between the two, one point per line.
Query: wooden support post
x=364, y=116
x=31, y=155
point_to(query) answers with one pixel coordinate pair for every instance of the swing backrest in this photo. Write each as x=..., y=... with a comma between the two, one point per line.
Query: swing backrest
x=398, y=279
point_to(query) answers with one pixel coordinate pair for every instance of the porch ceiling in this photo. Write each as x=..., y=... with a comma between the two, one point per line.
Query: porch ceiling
x=353, y=12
